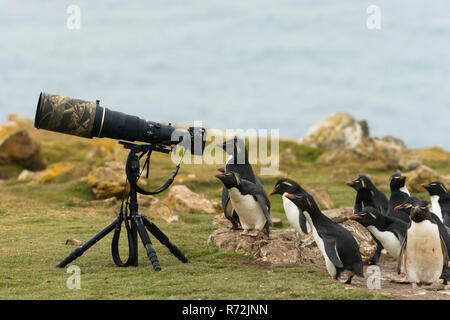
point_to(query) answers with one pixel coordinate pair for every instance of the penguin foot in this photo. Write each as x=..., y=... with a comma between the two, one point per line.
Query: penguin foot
x=244, y=233
x=255, y=233
x=401, y=281
x=414, y=285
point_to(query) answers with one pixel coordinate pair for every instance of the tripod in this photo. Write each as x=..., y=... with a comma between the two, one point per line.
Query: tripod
x=135, y=223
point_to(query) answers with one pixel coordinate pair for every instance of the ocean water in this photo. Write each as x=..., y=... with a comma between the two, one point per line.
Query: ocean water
x=237, y=64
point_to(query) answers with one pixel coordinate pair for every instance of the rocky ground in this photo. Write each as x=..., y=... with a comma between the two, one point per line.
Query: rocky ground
x=285, y=249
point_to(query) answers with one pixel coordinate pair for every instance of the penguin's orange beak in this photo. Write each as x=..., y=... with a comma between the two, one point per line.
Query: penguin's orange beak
x=398, y=208
x=219, y=175
x=404, y=177
x=289, y=196
x=352, y=217
x=272, y=192
x=425, y=185
x=221, y=169
x=349, y=183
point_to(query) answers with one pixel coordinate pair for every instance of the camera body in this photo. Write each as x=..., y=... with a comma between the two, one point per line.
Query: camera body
x=88, y=119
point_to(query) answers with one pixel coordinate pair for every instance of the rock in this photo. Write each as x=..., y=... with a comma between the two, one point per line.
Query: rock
x=322, y=198
x=387, y=153
x=434, y=156
x=47, y=175
x=422, y=174
x=279, y=249
x=52, y=172
x=285, y=248
x=21, y=120
x=276, y=221
x=367, y=245
x=7, y=129
x=26, y=175
x=336, y=131
x=181, y=198
x=73, y=242
x=20, y=149
x=287, y=157
x=159, y=210
x=338, y=215
x=220, y=220
x=110, y=180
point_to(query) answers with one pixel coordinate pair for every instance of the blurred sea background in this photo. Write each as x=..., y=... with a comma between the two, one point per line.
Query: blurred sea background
x=237, y=64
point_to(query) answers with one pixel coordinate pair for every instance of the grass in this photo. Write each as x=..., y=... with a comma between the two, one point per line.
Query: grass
x=31, y=245
x=38, y=219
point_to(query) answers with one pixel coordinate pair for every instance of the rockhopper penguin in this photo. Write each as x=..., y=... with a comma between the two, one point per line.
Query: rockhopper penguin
x=399, y=194
x=424, y=254
x=249, y=201
x=337, y=245
x=237, y=162
x=388, y=230
x=367, y=195
x=412, y=202
x=294, y=215
x=440, y=200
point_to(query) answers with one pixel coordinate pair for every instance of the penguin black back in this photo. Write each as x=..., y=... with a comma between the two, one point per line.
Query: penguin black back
x=440, y=199
x=371, y=218
x=285, y=185
x=335, y=237
x=367, y=195
x=399, y=194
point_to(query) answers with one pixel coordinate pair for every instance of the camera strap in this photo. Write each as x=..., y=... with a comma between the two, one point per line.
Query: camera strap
x=133, y=179
x=132, y=243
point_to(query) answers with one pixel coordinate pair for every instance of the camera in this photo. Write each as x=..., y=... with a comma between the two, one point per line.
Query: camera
x=88, y=119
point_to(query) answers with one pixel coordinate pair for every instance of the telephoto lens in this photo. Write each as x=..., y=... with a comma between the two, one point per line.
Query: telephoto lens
x=88, y=119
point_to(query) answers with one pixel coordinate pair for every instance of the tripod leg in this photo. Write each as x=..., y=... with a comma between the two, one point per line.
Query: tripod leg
x=151, y=253
x=164, y=239
x=80, y=250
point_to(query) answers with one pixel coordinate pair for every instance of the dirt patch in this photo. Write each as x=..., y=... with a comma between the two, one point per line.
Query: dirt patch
x=284, y=249
x=388, y=270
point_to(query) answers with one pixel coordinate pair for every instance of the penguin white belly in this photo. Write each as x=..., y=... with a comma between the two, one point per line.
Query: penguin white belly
x=331, y=268
x=436, y=207
x=405, y=190
x=388, y=240
x=292, y=214
x=424, y=259
x=248, y=209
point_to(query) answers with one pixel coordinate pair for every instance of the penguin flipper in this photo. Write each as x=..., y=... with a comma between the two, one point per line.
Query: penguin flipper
x=262, y=202
x=401, y=257
x=444, y=252
x=302, y=221
x=331, y=251
x=225, y=198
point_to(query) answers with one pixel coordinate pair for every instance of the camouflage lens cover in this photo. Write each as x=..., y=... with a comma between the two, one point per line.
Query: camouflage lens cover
x=66, y=115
